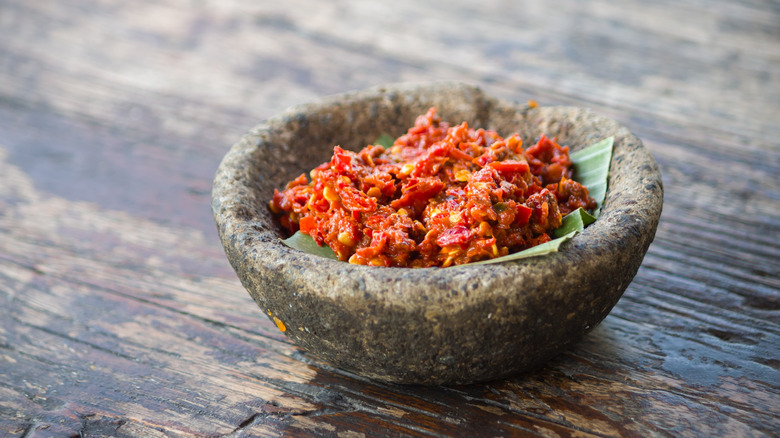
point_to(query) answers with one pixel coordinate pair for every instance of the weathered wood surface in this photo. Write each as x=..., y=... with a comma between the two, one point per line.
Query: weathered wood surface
x=120, y=315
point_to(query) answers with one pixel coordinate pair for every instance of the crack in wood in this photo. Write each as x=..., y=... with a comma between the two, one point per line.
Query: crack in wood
x=155, y=304
x=32, y=268
x=78, y=341
x=259, y=417
x=28, y=429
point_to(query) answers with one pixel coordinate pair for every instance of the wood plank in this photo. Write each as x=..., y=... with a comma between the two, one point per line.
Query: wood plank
x=260, y=36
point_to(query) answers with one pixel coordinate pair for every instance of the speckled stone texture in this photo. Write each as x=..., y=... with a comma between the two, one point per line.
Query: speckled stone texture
x=431, y=326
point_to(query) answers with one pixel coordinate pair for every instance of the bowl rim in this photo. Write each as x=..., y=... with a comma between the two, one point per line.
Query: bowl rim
x=570, y=251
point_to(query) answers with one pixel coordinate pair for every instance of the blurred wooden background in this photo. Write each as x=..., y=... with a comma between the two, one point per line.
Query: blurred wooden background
x=120, y=316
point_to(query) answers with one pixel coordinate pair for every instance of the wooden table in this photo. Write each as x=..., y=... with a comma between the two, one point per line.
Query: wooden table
x=120, y=315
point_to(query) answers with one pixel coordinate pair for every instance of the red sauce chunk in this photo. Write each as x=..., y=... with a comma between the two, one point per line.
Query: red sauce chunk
x=441, y=195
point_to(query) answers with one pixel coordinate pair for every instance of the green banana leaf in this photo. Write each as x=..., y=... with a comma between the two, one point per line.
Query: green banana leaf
x=591, y=169
x=304, y=242
x=385, y=140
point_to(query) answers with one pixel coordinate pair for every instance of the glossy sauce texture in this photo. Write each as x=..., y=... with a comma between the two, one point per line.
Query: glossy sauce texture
x=440, y=195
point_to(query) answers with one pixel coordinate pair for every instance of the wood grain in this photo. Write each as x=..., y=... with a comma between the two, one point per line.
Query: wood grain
x=120, y=315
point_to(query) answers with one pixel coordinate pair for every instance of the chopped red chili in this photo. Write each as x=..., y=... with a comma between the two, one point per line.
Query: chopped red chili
x=441, y=195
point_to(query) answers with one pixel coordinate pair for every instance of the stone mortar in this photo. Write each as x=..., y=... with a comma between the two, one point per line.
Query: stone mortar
x=435, y=325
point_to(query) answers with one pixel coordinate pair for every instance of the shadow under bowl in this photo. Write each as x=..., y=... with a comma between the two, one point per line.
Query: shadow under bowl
x=435, y=325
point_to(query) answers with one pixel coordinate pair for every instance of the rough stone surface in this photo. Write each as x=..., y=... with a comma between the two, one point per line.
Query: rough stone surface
x=431, y=326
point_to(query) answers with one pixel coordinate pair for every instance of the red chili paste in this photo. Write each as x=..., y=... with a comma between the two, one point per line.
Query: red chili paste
x=441, y=195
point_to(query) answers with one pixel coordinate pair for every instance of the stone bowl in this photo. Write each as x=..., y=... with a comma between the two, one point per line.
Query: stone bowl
x=451, y=325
